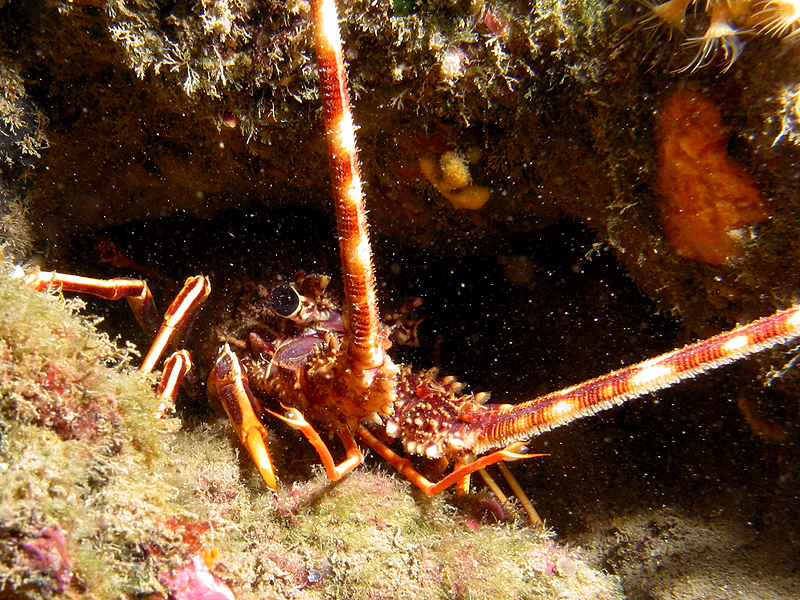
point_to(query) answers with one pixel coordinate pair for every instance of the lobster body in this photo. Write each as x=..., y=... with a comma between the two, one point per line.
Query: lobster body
x=300, y=361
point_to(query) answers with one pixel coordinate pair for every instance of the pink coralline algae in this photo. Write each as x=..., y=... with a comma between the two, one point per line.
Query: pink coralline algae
x=196, y=582
x=47, y=554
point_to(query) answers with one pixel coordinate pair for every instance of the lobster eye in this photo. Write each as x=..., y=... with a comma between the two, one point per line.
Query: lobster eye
x=285, y=300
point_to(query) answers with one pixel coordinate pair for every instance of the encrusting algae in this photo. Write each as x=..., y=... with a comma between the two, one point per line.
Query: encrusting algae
x=706, y=196
x=101, y=499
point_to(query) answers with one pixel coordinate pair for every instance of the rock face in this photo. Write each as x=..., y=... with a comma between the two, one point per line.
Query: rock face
x=179, y=132
x=535, y=112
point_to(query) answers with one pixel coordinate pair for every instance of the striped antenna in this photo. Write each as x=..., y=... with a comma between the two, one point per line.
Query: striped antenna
x=514, y=423
x=365, y=346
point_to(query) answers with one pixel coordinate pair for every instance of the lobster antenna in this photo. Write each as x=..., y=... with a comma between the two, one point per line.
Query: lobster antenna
x=520, y=422
x=361, y=305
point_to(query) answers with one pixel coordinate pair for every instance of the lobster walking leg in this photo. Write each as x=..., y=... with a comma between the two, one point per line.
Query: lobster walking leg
x=228, y=383
x=176, y=367
x=404, y=466
x=178, y=315
x=135, y=291
x=516, y=488
x=294, y=418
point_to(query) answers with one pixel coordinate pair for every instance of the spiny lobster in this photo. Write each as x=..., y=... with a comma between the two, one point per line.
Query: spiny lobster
x=330, y=370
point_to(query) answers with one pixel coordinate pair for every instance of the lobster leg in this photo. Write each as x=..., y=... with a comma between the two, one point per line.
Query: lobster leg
x=175, y=369
x=177, y=318
x=533, y=516
x=134, y=291
x=294, y=418
x=229, y=384
x=178, y=315
x=404, y=466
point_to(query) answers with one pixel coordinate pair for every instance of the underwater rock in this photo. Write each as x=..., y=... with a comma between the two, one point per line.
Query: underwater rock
x=207, y=109
x=23, y=139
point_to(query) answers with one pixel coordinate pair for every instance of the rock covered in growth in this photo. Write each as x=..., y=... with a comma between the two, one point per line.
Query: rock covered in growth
x=79, y=501
x=213, y=105
x=228, y=93
x=102, y=500
x=23, y=138
x=22, y=124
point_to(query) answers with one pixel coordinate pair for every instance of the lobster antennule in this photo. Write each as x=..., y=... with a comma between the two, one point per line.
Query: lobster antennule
x=362, y=321
x=506, y=424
